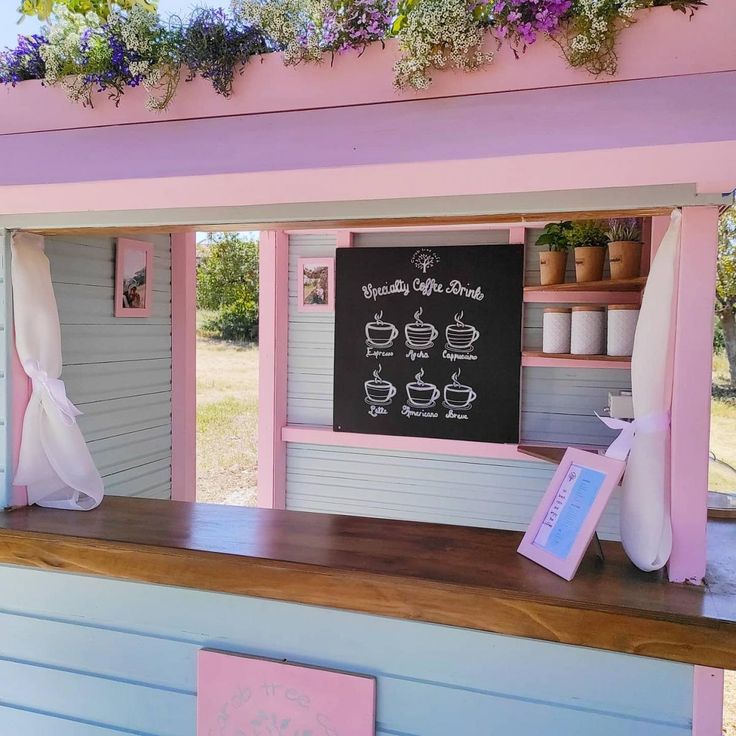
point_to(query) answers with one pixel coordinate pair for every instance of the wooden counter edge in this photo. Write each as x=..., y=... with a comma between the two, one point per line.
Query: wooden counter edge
x=709, y=643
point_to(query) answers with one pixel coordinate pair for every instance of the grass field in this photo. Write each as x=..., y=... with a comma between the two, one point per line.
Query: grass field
x=722, y=427
x=227, y=422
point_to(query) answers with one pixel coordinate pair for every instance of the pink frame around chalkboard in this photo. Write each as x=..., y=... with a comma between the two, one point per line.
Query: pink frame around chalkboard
x=328, y=300
x=566, y=567
x=236, y=691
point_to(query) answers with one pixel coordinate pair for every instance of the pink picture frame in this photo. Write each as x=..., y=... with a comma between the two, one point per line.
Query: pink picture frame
x=568, y=514
x=315, y=284
x=133, y=278
x=239, y=694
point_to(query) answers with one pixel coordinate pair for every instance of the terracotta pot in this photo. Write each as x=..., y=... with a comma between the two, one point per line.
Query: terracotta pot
x=625, y=259
x=552, y=267
x=589, y=263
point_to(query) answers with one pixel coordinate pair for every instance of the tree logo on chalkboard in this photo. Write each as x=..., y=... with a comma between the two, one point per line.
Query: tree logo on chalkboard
x=424, y=259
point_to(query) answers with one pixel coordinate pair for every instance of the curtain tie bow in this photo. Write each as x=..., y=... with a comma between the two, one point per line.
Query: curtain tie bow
x=54, y=390
x=620, y=448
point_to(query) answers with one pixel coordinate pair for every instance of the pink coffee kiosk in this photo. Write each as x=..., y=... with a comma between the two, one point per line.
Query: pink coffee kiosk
x=413, y=422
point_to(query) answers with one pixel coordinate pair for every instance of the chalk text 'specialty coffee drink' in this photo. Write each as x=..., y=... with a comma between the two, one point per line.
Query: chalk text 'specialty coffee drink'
x=460, y=336
x=380, y=334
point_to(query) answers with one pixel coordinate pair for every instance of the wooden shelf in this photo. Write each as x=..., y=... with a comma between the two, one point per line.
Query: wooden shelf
x=721, y=505
x=609, y=286
x=538, y=359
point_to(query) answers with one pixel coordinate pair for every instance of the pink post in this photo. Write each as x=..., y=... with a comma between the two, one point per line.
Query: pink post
x=344, y=239
x=183, y=367
x=273, y=340
x=691, y=393
x=517, y=234
x=660, y=224
x=707, y=701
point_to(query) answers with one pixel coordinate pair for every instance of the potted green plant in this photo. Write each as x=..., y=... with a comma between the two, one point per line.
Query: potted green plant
x=624, y=248
x=589, y=239
x=553, y=261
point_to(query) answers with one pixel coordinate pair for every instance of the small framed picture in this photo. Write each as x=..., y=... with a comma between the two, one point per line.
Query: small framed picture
x=567, y=517
x=316, y=284
x=133, y=278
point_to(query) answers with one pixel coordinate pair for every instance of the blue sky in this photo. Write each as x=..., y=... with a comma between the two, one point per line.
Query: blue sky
x=9, y=27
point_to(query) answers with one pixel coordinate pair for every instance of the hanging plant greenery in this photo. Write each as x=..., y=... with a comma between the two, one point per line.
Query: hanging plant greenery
x=588, y=37
x=214, y=45
x=437, y=34
x=108, y=46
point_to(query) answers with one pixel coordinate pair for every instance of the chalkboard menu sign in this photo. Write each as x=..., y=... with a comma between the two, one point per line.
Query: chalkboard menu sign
x=428, y=341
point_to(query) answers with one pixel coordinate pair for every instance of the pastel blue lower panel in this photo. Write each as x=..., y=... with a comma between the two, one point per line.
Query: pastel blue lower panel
x=85, y=656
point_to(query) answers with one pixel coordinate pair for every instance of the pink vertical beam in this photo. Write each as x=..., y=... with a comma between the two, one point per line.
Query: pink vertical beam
x=660, y=224
x=517, y=234
x=344, y=239
x=691, y=393
x=273, y=340
x=184, y=367
x=707, y=701
x=646, y=241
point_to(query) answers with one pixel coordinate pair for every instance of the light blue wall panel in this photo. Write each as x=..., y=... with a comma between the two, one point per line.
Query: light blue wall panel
x=117, y=371
x=557, y=406
x=83, y=656
x=498, y=494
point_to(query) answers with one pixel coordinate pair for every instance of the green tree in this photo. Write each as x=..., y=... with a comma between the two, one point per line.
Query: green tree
x=227, y=282
x=42, y=9
x=726, y=286
x=227, y=271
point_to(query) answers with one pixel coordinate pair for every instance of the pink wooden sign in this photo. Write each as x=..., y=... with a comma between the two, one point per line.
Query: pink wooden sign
x=248, y=696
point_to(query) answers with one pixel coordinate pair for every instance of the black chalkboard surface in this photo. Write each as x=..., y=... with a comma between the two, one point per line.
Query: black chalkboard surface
x=428, y=341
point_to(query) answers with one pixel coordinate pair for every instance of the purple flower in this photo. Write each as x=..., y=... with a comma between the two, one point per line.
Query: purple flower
x=24, y=61
x=521, y=21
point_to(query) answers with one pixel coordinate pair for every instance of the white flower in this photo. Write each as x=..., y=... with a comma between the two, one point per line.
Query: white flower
x=438, y=34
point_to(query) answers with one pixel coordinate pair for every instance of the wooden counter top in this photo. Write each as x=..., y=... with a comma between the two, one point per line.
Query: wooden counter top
x=438, y=573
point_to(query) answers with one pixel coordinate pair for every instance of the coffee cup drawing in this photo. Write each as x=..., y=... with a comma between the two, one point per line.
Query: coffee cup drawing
x=420, y=394
x=380, y=334
x=460, y=337
x=420, y=335
x=458, y=396
x=379, y=391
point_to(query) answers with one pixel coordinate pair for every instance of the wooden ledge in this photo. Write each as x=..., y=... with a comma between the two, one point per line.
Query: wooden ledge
x=451, y=575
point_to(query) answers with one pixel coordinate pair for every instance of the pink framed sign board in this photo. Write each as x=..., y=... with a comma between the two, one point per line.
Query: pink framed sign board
x=249, y=696
x=566, y=519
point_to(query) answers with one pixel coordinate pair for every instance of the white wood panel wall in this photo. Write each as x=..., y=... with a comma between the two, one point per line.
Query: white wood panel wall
x=557, y=406
x=117, y=371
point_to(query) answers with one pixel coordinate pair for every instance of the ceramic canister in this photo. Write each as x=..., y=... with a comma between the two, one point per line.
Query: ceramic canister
x=588, y=330
x=622, y=320
x=556, y=330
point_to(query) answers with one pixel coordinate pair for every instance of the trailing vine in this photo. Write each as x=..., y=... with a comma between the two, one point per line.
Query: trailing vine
x=126, y=44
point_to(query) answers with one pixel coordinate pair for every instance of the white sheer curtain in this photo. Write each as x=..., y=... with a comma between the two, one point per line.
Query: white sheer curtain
x=646, y=530
x=55, y=464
